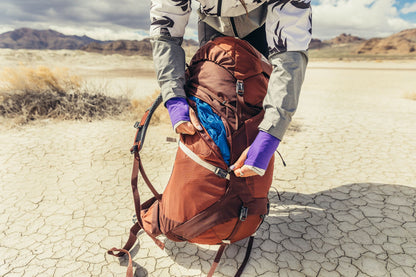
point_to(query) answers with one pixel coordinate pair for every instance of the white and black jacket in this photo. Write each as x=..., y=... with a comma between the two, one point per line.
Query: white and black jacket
x=288, y=33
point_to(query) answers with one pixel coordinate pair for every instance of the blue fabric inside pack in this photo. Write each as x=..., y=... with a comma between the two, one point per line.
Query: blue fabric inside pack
x=214, y=126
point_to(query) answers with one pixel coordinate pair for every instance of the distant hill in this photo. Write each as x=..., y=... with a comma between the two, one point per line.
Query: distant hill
x=345, y=38
x=335, y=42
x=401, y=43
x=128, y=47
x=26, y=38
x=124, y=47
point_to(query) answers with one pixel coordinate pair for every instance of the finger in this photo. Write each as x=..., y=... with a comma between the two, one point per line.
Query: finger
x=244, y=172
x=185, y=128
x=195, y=120
x=240, y=161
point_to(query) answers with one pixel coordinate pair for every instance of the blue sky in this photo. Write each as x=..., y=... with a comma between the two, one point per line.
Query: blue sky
x=408, y=9
x=129, y=19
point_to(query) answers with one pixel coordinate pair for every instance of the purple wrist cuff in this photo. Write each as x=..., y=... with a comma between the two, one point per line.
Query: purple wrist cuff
x=178, y=109
x=262, y=150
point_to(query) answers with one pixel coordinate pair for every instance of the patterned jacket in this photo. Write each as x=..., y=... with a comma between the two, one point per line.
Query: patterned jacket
x=288, y=33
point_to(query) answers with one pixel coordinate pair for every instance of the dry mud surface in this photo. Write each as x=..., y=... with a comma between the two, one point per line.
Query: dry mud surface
x=348, y=193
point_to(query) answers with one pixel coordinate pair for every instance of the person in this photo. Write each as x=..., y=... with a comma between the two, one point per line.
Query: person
x=280, y=29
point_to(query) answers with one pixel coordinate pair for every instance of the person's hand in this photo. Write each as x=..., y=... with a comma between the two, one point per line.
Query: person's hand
x=189, y=127
x=255, y=159
x=241, y=170
x=183, y=118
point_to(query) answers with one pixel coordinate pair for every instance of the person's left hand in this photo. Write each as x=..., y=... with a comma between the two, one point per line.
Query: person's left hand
x=241, y=170
x=256, y=156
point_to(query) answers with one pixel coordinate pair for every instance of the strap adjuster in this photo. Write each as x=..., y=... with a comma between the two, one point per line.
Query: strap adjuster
x=221, y=172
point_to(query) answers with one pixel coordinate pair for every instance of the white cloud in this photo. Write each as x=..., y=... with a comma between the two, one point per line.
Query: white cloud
x=408, y=8
x=365, y=18
x=129, y=19
x=103, y=20
x=103, y=33
x=100, y=33
x=6, y=28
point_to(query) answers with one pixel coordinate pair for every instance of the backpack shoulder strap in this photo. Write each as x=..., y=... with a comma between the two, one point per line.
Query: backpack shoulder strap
x=138, y=145
x=137, y=166
x=143, y=124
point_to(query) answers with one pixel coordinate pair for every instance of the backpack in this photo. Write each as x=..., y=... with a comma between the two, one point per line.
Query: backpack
x=210, y=205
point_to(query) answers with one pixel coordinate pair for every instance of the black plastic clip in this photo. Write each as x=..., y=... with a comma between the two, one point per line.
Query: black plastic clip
x=243, y=213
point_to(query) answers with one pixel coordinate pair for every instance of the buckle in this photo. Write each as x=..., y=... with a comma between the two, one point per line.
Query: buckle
x=221, y=172
x=243, y=213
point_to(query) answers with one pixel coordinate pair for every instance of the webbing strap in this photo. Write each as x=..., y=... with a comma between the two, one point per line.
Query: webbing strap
x=246, y=257
x=217, y=170
x=136, y=197
x=145, y=178
x=129, y=272
x=221, y=251
x=217, y=259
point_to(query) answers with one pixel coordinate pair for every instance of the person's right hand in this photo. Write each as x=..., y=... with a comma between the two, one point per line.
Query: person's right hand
x=183, y=118
x=189, y=127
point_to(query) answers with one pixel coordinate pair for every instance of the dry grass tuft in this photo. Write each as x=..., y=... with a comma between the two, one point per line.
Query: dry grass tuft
x=138, y=108
x=28, y=94
x=39, y=79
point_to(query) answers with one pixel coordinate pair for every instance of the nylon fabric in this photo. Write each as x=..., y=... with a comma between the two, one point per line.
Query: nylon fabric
x=214, y=126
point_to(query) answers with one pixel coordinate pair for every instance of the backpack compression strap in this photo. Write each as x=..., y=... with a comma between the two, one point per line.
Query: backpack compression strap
x=216, y=170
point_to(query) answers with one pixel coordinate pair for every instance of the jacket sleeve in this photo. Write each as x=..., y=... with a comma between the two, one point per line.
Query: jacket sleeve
x=168, y=21
x=288, y=31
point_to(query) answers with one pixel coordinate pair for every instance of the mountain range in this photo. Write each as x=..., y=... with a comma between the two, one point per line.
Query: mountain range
x=26, y=38
x=402, y=43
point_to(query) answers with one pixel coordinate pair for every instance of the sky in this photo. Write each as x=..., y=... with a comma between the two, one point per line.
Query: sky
x=129, y=19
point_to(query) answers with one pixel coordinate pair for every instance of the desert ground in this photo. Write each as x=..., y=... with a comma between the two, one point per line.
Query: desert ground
x=348, y=192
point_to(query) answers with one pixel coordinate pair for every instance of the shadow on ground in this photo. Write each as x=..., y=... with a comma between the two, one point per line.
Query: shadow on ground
x=364, y=229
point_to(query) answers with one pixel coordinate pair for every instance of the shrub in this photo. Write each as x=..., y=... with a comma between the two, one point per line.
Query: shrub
x=28, y=94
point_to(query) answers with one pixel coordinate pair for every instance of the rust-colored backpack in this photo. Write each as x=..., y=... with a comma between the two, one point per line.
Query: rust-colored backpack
x=209, y=204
